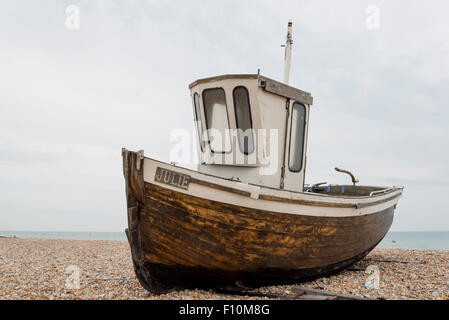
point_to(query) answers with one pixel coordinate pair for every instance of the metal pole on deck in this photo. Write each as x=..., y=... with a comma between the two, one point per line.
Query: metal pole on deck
x=288, y=52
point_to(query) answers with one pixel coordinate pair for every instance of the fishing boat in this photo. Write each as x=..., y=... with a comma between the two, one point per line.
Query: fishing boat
x=245, y=215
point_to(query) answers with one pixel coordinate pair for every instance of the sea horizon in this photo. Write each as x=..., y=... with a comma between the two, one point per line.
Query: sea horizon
x=432, y=240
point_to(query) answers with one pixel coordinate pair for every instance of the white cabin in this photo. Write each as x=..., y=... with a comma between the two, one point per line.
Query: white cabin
x=251, y=128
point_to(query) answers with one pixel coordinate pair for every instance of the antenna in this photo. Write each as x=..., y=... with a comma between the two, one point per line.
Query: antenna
x=288, y=52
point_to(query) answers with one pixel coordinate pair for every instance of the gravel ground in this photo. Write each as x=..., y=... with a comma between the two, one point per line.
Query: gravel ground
x=48, y=269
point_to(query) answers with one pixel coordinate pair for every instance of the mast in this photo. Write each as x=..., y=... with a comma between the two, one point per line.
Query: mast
x=288, y=52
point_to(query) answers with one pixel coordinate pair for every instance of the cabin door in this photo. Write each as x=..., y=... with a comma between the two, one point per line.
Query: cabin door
x=295, y=147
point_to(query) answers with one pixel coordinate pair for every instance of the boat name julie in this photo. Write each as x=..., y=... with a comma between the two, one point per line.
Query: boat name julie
x=172, y=178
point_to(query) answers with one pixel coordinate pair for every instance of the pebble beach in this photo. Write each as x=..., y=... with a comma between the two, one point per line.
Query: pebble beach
x=94, y=269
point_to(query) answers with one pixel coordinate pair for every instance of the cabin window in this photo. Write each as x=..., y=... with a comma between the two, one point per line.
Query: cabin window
x=199, y=125
x=297, y=130
x=243, y=120
x=217, y=121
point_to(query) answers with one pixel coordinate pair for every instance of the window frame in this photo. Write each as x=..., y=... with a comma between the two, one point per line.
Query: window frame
x=237, y=121
x=303, y=136
x=198, y=118
x=207, y=124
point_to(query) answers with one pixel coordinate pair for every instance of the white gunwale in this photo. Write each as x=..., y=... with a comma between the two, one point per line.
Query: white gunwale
x=314, y=204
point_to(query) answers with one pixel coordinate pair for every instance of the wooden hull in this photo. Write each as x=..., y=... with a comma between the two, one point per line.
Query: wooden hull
x=181, y=240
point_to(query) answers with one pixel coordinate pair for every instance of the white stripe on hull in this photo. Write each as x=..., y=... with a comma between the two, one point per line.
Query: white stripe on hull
x=253, y=201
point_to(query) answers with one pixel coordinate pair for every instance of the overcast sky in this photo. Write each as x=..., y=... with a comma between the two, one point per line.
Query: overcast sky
x=70, y=99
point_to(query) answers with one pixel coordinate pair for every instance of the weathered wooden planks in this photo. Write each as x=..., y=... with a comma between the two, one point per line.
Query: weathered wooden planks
x=182, y=240
x=203, y=233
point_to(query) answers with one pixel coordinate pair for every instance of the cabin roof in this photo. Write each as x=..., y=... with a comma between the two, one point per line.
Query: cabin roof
x=267, y=84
